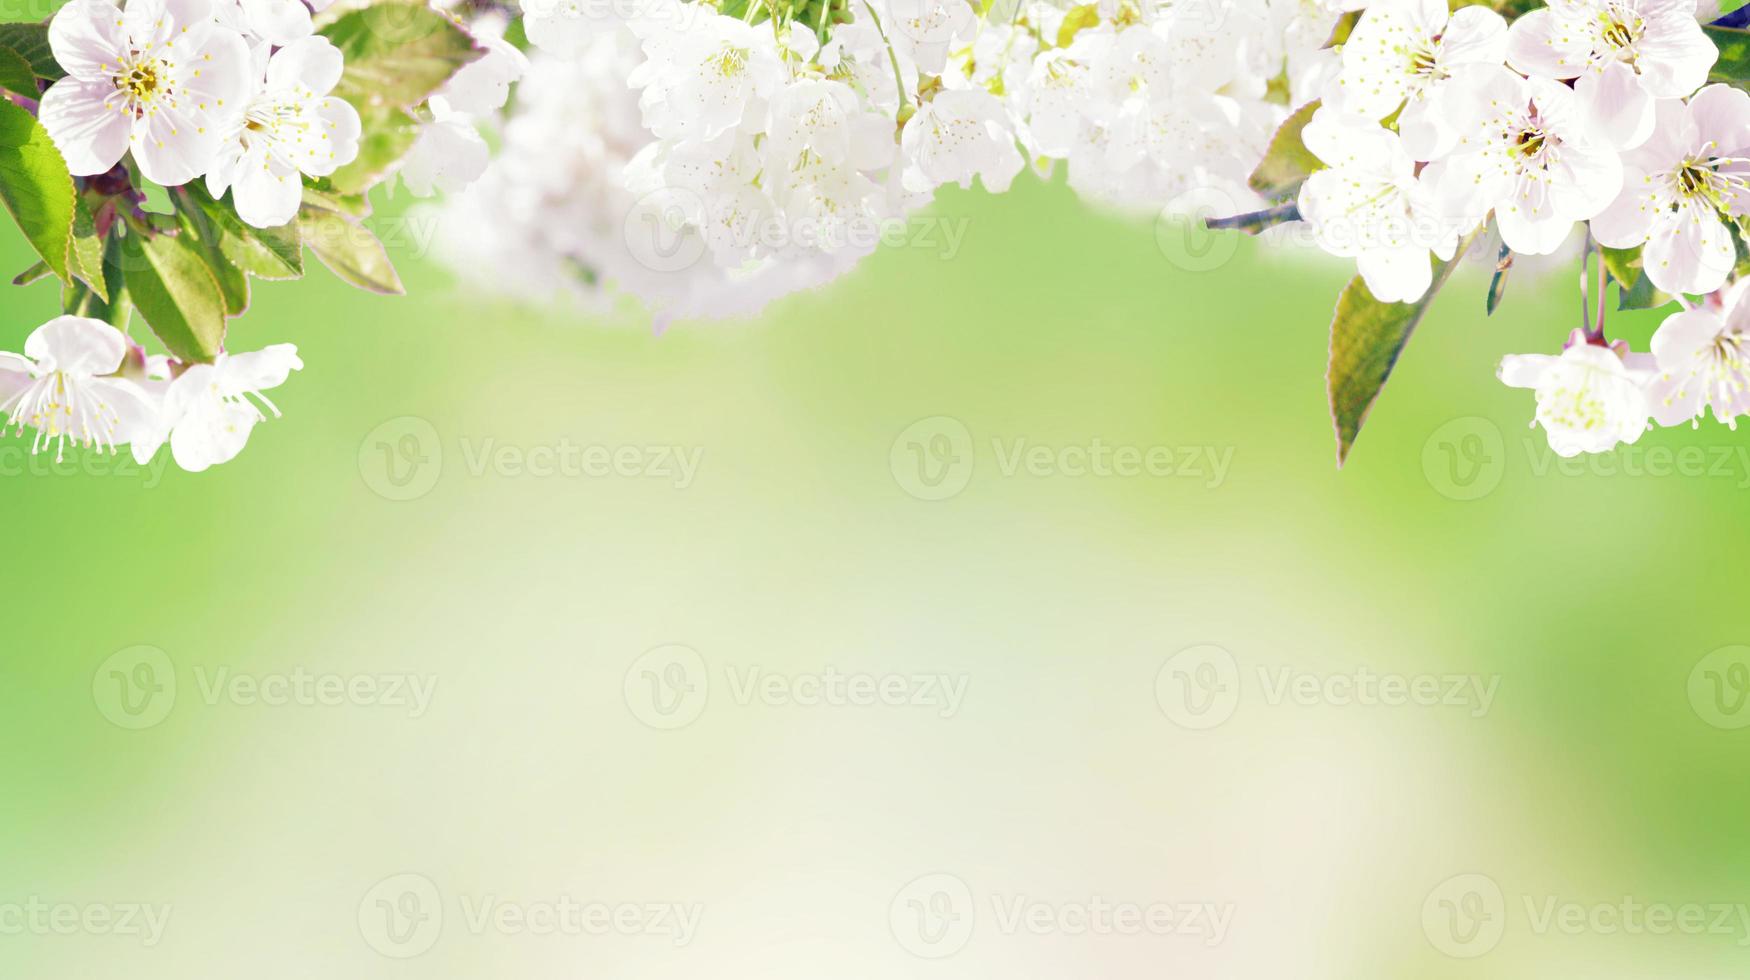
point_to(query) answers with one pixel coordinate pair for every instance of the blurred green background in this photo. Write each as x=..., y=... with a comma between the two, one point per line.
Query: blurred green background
x=1605, y=767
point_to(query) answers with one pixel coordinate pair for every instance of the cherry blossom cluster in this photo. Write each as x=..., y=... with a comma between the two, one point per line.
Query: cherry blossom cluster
x=1588, y=115
x=771, y=142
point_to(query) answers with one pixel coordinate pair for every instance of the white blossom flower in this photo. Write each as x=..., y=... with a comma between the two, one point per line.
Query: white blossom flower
x=290, y=126
x=1524, y=151
x=1368, y=203
x=160, y=79
x=278, y=22
x=62, y=389
x=956, y=136
x=1623, y=54
x=924, y=30
x=481, y=86
x=1678, y=185
x=1410, y=50
x=207, y=413
x=1703, y=358
x=449, y=155
x=702, y=83
x=1590, y=398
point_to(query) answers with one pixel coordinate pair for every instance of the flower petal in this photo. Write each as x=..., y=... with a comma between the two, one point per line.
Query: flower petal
x=77, y=345
x=87, y=39
x=91, y=135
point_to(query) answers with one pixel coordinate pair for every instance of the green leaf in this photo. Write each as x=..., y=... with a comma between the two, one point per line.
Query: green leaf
x=16, y=75
x=1287, y=162
x=36, y=187
x=206, y=236
x=349, y=250
x=1075, y=20
x=266, y=253
x=321, y=195
x=110, y=306
x=1634, y=290
x=85, y=253
x=31, y=41
x=35, y=273
x=1366, y=338
x=169, y=282
x=397, y=53
x=389, y=133
x=1498, y=284
x=1733, y=66
x=1343, y=28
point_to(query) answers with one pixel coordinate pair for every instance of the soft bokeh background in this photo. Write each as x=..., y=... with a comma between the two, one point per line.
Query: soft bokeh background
x=542, y=771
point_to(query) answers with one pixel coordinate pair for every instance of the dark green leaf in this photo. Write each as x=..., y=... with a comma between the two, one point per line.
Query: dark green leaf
x=1366, y=338
x=1287, y=162
x=36, y=187
x=31, y=41
x=170, y=284
x=1498, y=285
x=35, y=273
x=1733, y=66
x=15, y=74
x=397, y=53
x=349, y=250
x=207, y=237
x=1634, y=290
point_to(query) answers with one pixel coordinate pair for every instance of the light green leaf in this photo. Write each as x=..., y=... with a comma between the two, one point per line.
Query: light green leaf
x=1366, y=338
x=1343, y=28
x=16, y=75
x=1287, y=162
x=349, y=250
x=397, y=53
x=389, y=132
x=265, y=253
x=322, y=196
x=36, y=187
x=169, y=282
x=31, y=41
x=85, y=253
x=112, y=305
